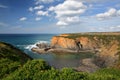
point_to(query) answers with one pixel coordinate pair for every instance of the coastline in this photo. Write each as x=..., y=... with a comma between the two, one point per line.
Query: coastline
x=103, y=45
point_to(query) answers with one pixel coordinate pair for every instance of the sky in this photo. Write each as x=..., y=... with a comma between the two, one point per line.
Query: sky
x=59, y=16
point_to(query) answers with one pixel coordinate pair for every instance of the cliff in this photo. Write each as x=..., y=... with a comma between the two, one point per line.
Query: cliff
x=105, y=45
x=87, y=40
x=62, y=42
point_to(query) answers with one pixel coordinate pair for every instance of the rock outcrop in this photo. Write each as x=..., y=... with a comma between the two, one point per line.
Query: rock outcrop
x=87, y=65
x=61, y=42
x=105, y=46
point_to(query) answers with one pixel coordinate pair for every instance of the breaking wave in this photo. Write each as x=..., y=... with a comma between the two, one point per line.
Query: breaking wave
x=29, y=47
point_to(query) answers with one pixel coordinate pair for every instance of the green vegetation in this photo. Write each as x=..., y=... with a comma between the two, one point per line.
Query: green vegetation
x=11, y=59
x=10, y=52
x=98, y=36
x=16, y=65
x=105, y=74
x=39, y=70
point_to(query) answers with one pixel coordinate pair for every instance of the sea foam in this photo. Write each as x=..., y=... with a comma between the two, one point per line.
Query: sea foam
x=29, y=47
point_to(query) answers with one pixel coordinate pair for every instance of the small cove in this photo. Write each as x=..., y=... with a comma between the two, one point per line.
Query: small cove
x=58, y=60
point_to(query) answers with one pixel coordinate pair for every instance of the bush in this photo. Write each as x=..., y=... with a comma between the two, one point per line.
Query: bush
x=28, y=71
x=40, y=70
x=7, y=66
x=105, y=74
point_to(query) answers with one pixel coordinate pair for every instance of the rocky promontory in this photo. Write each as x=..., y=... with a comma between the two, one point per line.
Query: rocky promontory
x=106, y=46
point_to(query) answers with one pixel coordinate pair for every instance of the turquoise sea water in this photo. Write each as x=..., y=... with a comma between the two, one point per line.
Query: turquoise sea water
x=26, y=41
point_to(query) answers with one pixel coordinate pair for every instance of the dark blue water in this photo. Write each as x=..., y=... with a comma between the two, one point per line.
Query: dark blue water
x=26, y=41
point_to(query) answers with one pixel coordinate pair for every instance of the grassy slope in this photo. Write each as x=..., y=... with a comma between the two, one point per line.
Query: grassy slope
x=11, y=59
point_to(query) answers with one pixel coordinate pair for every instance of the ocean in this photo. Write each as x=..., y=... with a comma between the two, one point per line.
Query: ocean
x=26, y=41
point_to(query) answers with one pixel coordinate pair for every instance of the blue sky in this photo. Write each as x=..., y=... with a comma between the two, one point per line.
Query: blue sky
x=59, y=16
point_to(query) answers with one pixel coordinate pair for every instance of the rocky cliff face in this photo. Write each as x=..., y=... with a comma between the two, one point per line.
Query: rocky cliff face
x=87, y=42
x=62, y=42
x=105, y=46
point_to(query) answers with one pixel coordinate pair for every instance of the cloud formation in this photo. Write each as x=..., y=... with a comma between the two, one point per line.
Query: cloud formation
x=96, y=1
x=115, y=27
x=37, y=18
x=112, y=12
x=31, y=9
x=68, y=12
x=43, y=1
x=38, y=7
x=42, y=13
x=3, y=6
x=23, y=19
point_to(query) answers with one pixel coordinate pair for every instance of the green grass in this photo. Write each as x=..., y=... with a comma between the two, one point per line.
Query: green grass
x=11, y=59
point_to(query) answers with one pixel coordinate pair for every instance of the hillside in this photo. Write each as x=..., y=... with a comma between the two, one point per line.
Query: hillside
x=11, y=59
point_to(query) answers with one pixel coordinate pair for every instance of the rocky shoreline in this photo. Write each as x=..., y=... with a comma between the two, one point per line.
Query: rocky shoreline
x=106, y=50
x=43, y=48
x=87, y=64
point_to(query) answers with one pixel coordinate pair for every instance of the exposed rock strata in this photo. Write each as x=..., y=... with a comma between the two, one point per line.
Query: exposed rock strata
x=61, y=42
x=106, y=50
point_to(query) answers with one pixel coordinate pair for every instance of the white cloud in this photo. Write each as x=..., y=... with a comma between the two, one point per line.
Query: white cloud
x=112, y=12
x=115, y=27
x=43, y=1
x=3, y=6
x=42, y=13
x=38, y=7
x=23, y=19
x=68, y=20
x=68, y=12
x=37, y=18
x=31, y=9
x=96, y=1
x=62, y=23
x=118, y=12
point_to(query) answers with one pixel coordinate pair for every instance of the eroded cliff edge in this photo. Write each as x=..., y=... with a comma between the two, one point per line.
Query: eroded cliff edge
x=106, y=46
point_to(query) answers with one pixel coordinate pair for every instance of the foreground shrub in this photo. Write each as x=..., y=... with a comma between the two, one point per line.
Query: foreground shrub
x=40, y=70
x=105, y=74
x=8, y=66
x=28, y=71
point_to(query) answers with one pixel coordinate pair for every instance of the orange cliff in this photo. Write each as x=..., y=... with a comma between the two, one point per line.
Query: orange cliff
x=105, y=46
x=62, y=42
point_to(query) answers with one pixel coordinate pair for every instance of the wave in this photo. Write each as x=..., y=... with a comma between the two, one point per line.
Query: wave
x=29, y=47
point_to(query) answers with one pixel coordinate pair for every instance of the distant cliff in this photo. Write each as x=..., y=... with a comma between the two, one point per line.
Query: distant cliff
x=105, y=45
